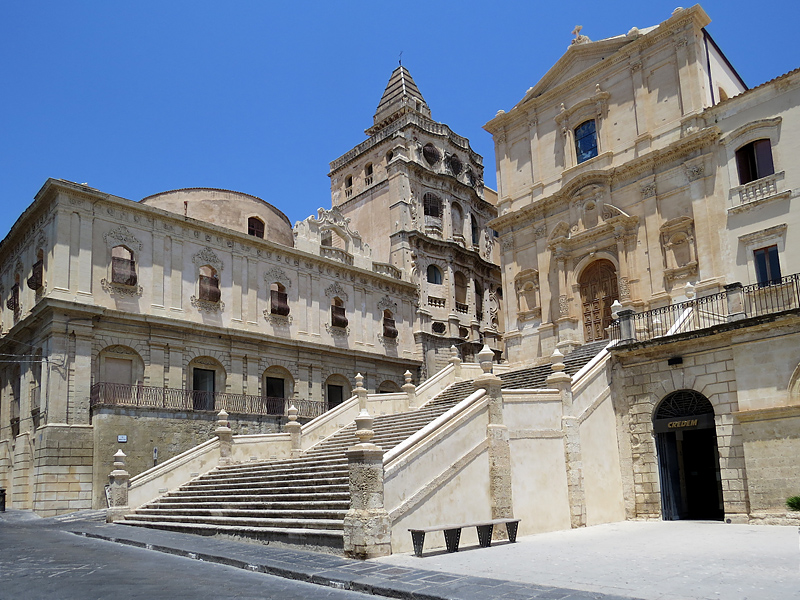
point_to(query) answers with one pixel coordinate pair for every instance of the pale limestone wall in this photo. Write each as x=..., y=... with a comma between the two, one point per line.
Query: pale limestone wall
x=602, y=477
x=170, y=432
x=225, y=208
x=63, y=469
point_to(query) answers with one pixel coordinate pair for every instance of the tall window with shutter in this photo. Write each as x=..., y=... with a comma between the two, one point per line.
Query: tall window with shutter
x=209, y=284
x=123, y=266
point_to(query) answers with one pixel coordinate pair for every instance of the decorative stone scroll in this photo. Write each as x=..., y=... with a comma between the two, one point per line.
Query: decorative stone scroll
x=206, y=256
x=337, y=332
x=206, y=305
x=121, y=236
x=277, y=320
x=118, y=289
x=336, y=290
x=279, y=275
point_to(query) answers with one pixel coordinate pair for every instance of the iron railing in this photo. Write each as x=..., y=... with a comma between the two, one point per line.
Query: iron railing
x=143, y=396
x=737, y=302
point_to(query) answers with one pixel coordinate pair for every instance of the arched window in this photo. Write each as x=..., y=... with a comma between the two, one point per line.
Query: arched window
x=431, y=154
x=255, y=227
x=209, y=284
x=431, y=205
x=586, y=141
x=123, y=266
x=278, y=304
x=476, y=231
x=458, y=221
x=388, y=387
x=389, y=156
x=460, y=281
x=454, y=165
x=434, y=275
x=36, y=280
x=389, y=328
x=754, y=161
x=338, y=315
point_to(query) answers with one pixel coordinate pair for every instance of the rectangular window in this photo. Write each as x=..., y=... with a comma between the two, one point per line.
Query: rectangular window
x=754, y=161
x=768, y=268
x=203, y=389
x=275, y=387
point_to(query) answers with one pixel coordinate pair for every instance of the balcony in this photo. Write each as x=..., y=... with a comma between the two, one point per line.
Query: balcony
x=386, y=269
x=737, y=302
x=337, y=254
x=757, y=192
x=462, y=308
x=142, y=396
x=436, y=302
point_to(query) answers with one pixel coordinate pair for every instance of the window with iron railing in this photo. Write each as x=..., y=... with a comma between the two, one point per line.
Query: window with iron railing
x=209, y=288
x=123, y=271
x=36, y=279
x=338, y=316
x=13, y=300
x=278, y=303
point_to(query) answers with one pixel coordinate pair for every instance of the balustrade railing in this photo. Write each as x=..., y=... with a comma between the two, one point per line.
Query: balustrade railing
x=462, y=308
x=143, y=396
x=736, y=303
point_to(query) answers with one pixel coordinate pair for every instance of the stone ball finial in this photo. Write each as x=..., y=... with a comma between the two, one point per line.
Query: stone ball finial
x=677, y=10
x=407, y=376
x=292, y=413
x=688, y=289
x=119, y=459
x=359, y=380
x=364, y=423
x=453, y=350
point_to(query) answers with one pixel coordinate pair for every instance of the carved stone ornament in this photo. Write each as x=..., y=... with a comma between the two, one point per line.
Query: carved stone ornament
x=648, y=190
x=279, y=275
x=206, y=256
x=337, y=332
x=695, y=171
x=335, y=290
x=121, y=236
x=118, y=350
x=579, y=39
x=563, y=306
x=205, y=361
x=624, y=288
x=277, y=320
x=387, y=304
x=117, y=289
x=387, y=342
x=508, y=244
x=206, y=305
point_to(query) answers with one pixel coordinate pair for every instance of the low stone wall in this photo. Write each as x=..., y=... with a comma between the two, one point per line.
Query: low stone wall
x=170, y=432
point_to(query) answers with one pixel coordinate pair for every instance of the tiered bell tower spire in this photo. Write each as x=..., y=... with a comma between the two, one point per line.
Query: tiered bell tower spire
x=400, y=97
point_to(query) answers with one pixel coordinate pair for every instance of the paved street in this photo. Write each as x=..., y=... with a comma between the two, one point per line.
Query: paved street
x=661, y=560
x=38, y=563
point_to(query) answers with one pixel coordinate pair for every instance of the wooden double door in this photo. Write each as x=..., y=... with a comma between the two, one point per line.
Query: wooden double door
x=598, y=289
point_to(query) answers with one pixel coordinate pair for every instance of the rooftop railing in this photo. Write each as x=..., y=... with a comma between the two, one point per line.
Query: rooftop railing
x=143, y=396
x=735, y=303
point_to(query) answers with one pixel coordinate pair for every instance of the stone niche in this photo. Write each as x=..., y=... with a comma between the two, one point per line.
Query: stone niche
x=526, y=287
x=679, y=249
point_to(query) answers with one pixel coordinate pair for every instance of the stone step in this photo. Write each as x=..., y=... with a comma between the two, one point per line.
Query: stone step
x=310, y=490
x=265, y=513
x=226, y=484
x=268, y=476
x=326, y=538
x=178, y=504
x=304, y=496
x=334, y=524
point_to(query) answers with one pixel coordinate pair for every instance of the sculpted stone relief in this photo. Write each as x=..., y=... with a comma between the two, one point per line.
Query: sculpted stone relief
x=526, y=287
x=678, y=248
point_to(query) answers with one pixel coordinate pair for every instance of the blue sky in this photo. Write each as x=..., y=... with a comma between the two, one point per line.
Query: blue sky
x=141, y=97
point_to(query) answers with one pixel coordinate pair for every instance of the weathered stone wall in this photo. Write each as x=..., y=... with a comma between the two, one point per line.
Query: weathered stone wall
x=171, y=432
x=62, y=469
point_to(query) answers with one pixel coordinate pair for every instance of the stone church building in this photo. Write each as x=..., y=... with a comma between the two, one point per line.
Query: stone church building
x=636, y=273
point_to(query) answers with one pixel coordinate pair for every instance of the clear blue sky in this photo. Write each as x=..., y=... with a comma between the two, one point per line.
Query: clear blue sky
x=141, y=97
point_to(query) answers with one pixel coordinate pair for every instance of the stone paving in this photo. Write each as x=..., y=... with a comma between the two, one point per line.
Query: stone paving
x=644, y=560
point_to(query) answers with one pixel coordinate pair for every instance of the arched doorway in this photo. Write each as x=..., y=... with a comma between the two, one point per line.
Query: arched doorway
x=688, y=459
x=598, y=285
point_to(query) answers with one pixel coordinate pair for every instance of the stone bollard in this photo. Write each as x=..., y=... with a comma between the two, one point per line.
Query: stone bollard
x=410, y=389
x=455, y=360
x=225, y=435
x=118, y=489
x=626, y=326
x=361, y=392
x=294, y=429
x=500, y=480
x=367, y=527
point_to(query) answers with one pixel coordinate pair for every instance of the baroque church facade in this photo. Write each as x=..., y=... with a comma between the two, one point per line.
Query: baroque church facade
x=646, y=204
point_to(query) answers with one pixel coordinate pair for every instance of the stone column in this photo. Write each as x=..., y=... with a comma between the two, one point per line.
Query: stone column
x=367, y=527
x=225, y=435
x=118, y=493
x=572, y=441
x=411, y=390
x=499, y=444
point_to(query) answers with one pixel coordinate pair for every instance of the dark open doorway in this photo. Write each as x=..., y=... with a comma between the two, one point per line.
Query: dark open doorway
x=688, y=458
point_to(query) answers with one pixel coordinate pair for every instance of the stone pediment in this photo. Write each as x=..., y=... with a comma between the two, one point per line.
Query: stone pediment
x=577, y=59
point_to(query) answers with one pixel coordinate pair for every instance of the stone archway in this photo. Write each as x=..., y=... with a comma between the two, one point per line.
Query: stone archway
x=598, y=290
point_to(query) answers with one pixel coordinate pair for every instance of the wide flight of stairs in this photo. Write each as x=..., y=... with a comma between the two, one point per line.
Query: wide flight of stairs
x=304, y=500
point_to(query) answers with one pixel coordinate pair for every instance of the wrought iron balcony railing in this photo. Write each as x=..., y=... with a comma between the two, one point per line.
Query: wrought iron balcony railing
x=143, y=396
x=735, y=303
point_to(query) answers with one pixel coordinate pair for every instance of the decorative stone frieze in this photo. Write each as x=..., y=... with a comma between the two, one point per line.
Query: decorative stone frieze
x=337, y=332
x=277, y=320
x=119, y=289
x=279, y=275
x=206, y=256
x=206, y=305
x=387, y=304
x=122, y=236
x=336, y=290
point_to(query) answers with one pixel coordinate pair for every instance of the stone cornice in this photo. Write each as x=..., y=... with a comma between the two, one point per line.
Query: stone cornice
x=628, y=170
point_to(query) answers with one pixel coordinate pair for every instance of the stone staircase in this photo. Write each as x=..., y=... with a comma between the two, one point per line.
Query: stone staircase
x=304, y=500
